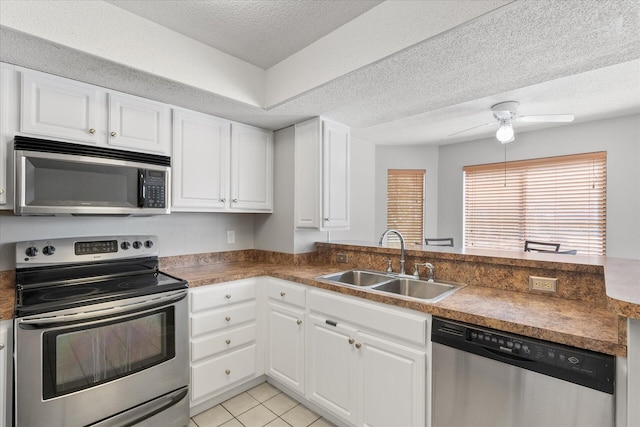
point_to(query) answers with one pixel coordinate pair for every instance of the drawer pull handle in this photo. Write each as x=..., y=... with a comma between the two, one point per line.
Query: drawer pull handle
x=351, y=340
x=228, y=371
x=1, y=346
x=228, y=296
x=228, y=341
x=227, y=318
x=113, y=134
x=299, y=322
x=282, y=294
x=358, y=345
x=92, y=131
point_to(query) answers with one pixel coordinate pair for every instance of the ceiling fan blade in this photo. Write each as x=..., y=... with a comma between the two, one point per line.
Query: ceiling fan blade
x=475, y=127
x=549, y=118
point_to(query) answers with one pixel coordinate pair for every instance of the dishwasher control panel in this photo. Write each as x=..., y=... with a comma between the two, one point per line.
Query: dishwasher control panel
x=530, y=353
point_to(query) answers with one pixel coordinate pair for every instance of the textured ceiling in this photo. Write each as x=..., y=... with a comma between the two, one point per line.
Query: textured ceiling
x=260, y=32
x=558, y=56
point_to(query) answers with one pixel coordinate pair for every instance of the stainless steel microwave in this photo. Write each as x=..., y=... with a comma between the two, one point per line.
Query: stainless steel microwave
x=59, y=178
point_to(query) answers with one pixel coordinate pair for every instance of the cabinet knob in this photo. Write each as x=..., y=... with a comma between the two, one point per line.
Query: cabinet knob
x=113, y=134
x=351, y=340
x=228, y=341
x=227, y=371
x=358, y=345
x=1, y=346
x=227, y=318
x=235, y=200
x=281, y=293
x=1, y=190
x=327, y=219
x=223, y=200
x=92, y=130
x=228, y=296
x=299, y=322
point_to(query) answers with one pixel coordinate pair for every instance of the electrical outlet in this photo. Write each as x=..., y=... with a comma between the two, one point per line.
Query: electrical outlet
x=231, y=237
x=342, y=258
x=544, y=284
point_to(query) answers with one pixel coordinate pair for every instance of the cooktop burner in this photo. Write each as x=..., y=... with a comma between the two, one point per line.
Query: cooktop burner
x=62, y=294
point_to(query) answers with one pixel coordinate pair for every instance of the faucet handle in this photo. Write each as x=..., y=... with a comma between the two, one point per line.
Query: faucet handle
x=416, y=272
x=389, y=269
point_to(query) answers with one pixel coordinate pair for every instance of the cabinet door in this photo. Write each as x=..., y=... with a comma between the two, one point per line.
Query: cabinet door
x=308, y=183
x=7, y=101
x=335, y=176
x=285, y=347
x=5, y=383
x=331, y=368
x=59, y=108
x=200, y=162
x=138, y=124
x=251, y=169
x=393, y=376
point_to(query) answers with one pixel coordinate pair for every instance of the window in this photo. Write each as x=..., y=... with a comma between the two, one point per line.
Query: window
x=558, y=199
x=405, y=203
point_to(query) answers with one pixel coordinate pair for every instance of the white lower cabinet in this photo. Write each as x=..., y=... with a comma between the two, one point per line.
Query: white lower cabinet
x=365, y=363
x=331, y=366
x=225, y=349
x=367, y=377
x=5, y=372
x=285, y=358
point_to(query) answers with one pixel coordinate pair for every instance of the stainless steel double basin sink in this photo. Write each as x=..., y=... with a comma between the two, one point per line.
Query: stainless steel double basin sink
x=406, y=286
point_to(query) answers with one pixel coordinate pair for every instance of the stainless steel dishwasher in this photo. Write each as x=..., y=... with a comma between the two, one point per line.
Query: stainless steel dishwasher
x=484, y=377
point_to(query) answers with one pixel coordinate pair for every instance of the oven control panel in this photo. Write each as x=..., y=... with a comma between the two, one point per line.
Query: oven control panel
x=36, y=253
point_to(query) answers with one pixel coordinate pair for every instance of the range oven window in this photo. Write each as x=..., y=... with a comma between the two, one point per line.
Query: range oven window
x=81, y=357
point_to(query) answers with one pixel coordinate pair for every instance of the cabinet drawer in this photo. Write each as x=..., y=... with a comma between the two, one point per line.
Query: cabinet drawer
x=227, y=340
x=367, y=316
x=225, y=317
x=289, y=293
x=220, y=373
x=214, y=296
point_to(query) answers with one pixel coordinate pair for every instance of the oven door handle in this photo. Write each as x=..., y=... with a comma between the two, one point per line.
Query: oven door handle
x=130, y=308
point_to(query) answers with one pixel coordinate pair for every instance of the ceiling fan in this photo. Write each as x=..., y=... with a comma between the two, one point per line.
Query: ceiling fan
x=505, y=114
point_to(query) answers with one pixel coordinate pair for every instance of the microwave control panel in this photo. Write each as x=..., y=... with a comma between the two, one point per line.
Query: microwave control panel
x=154, y=189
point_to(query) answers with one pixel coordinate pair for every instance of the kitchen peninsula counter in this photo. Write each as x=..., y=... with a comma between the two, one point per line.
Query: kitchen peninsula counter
x=585, y=325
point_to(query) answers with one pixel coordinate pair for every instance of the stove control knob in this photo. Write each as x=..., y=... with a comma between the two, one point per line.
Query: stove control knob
x=125, y=245
x=31, y=251
x=48, y=250
x=137, y=244
x=148, y=244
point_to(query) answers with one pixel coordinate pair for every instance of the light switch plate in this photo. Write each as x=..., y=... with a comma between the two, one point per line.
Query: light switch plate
x=231, y=236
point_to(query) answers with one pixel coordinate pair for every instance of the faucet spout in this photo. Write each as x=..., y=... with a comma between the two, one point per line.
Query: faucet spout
x=397, y=233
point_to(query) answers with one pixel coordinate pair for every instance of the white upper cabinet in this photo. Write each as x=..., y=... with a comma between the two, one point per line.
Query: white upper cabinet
x=251, y=169
x=138, y=124
x=201, y=161
x=220, y=166
x=7, y=115
x=322, y=171
x=65, y=109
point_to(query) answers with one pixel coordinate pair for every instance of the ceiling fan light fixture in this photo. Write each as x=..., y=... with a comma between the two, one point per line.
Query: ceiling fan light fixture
x=505, y=132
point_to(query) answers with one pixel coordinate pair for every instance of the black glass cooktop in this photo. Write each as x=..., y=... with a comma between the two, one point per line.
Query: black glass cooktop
x=42, y=290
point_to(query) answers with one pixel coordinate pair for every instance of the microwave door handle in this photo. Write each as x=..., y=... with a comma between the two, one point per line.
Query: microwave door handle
x=142, y=188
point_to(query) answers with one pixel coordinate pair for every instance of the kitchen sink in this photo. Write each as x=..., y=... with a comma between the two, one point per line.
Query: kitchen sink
x=393, y=284
x=420, y=289
x=357, y=277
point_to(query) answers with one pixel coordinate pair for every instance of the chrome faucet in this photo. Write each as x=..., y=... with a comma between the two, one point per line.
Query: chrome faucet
x=396, y=232
x=430, y=266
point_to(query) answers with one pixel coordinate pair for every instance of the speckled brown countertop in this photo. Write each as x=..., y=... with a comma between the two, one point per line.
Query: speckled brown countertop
x=583, y=325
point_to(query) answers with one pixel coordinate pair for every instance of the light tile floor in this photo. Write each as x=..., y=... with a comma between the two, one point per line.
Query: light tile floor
x=263, y=405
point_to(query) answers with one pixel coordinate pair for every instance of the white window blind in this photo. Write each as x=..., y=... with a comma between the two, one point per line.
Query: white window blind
x=558, y=200
x=405, y=203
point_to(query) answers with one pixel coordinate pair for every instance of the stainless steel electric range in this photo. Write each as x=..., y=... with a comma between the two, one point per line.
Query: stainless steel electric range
x=101, y=335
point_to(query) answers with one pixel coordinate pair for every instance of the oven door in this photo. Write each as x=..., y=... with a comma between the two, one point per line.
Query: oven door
x=85, y=365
